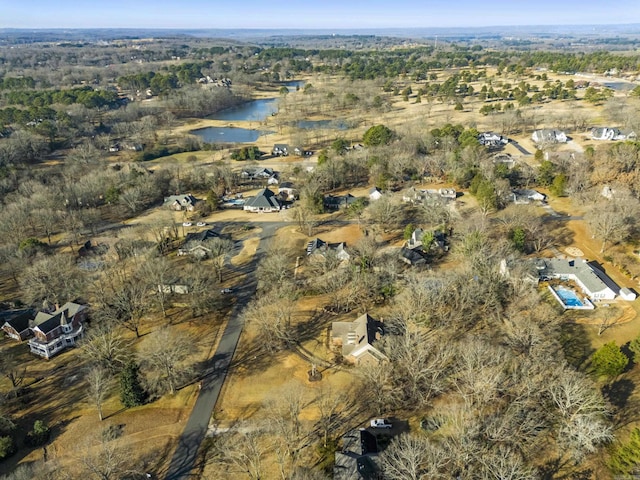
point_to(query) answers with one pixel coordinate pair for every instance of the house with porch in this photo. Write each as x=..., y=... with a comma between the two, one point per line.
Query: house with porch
x=181, y=202
x=356, y=339
x=492, y=140
x=16, y=323
x=264, y=201
x=53, y=332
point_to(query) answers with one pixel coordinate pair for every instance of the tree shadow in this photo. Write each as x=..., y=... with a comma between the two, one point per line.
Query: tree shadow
x=619, y=392
x=575, y=343
x=560, y=468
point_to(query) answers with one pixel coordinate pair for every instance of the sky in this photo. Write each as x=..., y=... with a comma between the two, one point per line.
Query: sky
x=312, y=14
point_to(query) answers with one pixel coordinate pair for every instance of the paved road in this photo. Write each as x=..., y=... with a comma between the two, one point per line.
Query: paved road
x=522, y=150
x=215, y=372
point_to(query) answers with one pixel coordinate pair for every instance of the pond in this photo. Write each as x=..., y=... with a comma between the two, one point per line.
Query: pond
x=253, y=111
x=229, y=134
x=294, y=85
x=620, y=86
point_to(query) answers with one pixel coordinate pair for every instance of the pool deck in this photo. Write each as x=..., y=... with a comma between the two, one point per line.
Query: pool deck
x=585, y=303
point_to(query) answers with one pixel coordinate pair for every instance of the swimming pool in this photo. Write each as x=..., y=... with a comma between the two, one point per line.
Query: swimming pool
x=568, y=297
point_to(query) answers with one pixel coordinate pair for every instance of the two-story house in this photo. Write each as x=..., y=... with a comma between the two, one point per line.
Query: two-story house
x=53, y=332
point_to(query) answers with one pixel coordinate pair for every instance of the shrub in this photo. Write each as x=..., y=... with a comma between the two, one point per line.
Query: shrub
x=39, y=435
x=7, y=447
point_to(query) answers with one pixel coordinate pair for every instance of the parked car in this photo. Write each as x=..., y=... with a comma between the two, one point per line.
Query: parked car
x=225, y=290
x=187, y=224
x=201, y=224
x=381, y=423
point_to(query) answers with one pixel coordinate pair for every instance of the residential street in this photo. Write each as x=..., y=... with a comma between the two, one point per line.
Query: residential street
x=213, y=377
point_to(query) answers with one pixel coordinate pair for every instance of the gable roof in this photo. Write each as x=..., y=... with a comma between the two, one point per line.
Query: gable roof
x=17, y=319
x=183, y=200
x=358, y=336
x=46, y=322
x=265, y=198
x=200, y=236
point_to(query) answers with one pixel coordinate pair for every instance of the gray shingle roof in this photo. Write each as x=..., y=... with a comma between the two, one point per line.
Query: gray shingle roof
x=265, y=198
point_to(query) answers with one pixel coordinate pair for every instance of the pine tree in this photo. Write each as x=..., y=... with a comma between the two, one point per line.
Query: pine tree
x=131, y=392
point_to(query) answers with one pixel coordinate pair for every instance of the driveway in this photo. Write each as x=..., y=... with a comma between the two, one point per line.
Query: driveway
x=215, y=371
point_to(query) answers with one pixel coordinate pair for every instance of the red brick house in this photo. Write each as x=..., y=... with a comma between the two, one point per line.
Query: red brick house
x=53, y=332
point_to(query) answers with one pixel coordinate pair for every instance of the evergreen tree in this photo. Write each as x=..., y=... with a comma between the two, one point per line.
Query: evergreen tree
x=609, y=360
x=131, y=392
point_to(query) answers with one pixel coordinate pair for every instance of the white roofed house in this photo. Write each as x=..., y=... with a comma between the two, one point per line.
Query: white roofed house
x=264, y=201
x=548, y=135
x=612, y=134
x=526, y=196
x=591, y=279
x=53, y=332
x=375, y=193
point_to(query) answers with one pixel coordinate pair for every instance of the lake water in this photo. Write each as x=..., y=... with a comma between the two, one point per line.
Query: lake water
x=294, y=85
x=253, y=111
x=228, y=134
x=621, y=86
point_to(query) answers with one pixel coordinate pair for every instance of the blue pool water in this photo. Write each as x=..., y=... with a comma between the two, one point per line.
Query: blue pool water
x=568, y=297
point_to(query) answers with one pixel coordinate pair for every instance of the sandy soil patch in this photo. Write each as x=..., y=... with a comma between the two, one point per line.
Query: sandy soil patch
x=574, y=252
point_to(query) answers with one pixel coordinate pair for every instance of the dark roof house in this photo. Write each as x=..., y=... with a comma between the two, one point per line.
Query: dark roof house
x=58, y=330
x=264, y=201
x=16, y=323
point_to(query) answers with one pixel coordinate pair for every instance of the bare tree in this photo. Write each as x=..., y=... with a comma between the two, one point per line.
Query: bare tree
x=104, y=346
x=385, y=213
x=242, y=452
x=582, y=414
x=127, y=304
x=97, y=380
x=13, y=369
x=612, y=220
x=165, y=356
x=410, y=457
x=218, y=248
x=330, y=405
x=157, y=272
x=53, y=279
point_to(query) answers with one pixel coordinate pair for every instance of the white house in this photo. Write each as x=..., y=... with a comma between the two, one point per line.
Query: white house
x=375, y=193
x=526, y=196
x=612, y=134
x=596, y=284
x=549, y=135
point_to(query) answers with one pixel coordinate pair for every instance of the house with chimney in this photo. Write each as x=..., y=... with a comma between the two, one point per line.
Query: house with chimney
x=60, y=329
